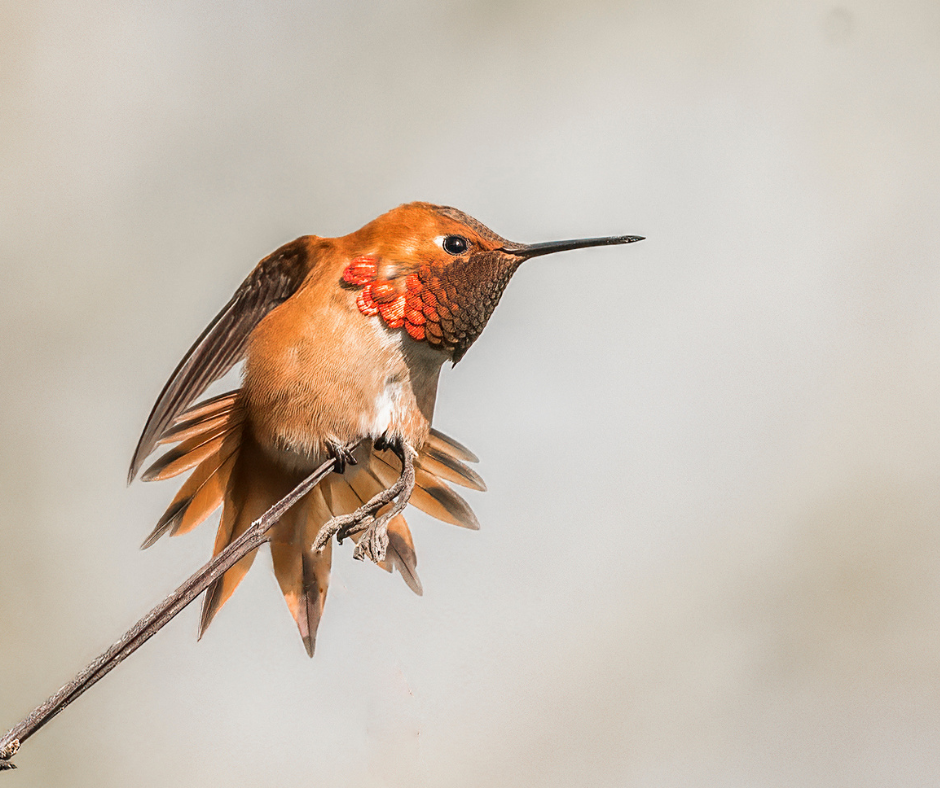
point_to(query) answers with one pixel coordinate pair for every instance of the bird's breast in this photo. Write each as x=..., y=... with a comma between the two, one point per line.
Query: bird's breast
x=322, y=373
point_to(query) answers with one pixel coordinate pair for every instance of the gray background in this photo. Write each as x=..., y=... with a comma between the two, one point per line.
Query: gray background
x=709, y=552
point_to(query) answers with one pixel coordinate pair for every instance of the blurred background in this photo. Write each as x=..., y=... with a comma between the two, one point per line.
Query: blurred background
x=710, y=551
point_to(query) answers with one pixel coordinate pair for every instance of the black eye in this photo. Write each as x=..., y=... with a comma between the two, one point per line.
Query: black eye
x=455, y=244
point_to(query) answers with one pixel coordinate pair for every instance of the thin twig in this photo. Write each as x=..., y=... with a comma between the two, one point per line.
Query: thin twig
x=374, y=541
x=157, y=618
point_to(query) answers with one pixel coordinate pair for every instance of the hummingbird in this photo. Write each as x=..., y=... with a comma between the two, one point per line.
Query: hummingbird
x=343, y=340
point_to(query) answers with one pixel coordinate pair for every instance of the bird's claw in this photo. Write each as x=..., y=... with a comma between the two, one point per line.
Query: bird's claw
x=342, y=456
x=382, y=443
x=342, y=527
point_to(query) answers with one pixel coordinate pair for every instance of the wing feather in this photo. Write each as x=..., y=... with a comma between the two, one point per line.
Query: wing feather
x=223, y=343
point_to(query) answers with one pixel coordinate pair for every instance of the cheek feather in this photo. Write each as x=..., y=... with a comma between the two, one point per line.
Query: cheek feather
x=426, y=303
x=393, y=312
x=361, y=270
x=384, y=292
x=425, y=310
x=365, y=303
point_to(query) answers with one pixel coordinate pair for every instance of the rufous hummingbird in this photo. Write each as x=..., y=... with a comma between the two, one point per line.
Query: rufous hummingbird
x=343, y=341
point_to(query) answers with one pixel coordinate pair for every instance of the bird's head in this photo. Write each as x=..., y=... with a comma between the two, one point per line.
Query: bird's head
x=437, y=272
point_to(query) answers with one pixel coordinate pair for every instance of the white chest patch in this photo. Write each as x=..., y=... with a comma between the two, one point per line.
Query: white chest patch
x=386, y=409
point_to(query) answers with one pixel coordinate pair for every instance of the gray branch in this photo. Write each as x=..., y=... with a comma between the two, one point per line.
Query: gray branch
x=157, y=618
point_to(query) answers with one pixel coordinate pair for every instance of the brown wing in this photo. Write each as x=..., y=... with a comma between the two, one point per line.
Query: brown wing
x=223, y=343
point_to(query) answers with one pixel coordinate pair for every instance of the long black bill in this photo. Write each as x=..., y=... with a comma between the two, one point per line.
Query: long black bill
x=550, y=247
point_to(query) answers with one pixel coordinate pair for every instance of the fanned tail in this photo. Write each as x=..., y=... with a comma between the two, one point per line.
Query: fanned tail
x=254, y=486
x=210, y=434
x=231, y=470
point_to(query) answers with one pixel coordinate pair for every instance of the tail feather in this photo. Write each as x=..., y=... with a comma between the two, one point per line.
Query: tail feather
x=192, y=429
x=438, y=500
x=207, y=498
x=450, y=469
x=170, y=518
x=341, y=498
x=401, y=554
x=185, y=456
x=212, y=457
x=445, y=444
x=191, y=502
x=304, y=575
x=363, y=483
x=430, y=495
x=235, y=521
x=207, y=408
x=254, y=486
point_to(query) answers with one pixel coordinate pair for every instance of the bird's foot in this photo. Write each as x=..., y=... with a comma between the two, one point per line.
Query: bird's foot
x=382, y=443
x=342, y=456
x=374, y=542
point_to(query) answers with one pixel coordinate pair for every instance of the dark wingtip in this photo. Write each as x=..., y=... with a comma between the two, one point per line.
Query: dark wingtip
x=141, y=452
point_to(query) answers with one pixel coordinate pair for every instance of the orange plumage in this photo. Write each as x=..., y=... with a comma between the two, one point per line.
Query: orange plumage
x=343, y=341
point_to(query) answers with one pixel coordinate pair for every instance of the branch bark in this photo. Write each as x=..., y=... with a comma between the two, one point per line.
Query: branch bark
x=157, y=618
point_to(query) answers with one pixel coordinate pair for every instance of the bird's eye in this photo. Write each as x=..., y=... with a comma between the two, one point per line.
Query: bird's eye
x=455, y=244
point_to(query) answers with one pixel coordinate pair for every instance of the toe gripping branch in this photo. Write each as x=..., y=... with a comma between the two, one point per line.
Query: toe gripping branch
x=367, y=518
x=342, y=456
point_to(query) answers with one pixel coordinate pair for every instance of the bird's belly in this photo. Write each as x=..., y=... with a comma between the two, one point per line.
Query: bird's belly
x=296, y=421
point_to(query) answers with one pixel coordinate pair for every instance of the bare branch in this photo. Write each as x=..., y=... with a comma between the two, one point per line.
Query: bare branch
x=157, y=618
x=374, y=541
x=372, y=545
